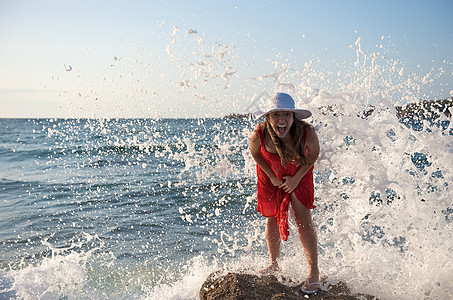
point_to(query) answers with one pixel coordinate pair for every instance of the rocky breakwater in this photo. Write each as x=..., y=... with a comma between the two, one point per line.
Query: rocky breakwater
x=427, y=109
x=238, y=286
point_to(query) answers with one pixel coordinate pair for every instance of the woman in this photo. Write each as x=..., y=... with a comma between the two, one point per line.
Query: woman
x=285, y=149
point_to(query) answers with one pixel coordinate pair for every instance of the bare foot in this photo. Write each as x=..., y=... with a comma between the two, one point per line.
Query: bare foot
x=271, y=270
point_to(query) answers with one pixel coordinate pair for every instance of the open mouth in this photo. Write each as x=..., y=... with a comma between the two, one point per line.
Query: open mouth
x=281, y=129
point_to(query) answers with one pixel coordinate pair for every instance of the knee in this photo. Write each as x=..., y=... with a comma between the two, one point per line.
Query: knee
x=303, y=222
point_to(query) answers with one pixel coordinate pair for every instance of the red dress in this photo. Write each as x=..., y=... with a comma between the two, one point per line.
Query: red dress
x=273, y=201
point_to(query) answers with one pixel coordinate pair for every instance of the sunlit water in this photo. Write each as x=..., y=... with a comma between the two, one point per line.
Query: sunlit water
x=148, y=208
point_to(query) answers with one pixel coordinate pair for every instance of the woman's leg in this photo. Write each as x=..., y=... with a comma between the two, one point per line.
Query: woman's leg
x=307, y=234
x=273, y=244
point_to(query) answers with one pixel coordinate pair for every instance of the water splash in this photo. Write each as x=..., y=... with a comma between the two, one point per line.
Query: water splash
x=382, y=185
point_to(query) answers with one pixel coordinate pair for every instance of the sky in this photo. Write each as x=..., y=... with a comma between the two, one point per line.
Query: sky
x=207, y=58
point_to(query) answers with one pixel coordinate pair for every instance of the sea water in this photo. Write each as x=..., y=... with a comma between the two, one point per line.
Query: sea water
x=147, y=208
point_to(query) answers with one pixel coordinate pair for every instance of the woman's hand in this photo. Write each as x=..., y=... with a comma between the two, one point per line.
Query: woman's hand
x=290, y=184
x=276, y=182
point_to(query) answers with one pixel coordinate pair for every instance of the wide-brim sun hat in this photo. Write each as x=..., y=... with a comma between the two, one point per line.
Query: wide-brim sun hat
x=282, y=102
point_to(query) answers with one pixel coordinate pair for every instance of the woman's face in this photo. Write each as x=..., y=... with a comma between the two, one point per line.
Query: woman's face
x=281, y=122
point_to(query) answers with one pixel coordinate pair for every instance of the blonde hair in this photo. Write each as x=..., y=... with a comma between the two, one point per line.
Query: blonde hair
x=295, y=152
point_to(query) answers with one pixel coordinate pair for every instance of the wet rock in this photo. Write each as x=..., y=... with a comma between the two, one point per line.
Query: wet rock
x=427, y=109
x=235, y=286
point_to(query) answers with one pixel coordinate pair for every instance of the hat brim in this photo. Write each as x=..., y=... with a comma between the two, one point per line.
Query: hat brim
x=299, y=113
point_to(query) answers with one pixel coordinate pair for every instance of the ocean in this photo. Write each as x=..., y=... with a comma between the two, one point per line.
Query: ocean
x=148, y=208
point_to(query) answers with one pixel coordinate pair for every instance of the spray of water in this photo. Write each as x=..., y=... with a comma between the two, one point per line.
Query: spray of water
x=383, y=191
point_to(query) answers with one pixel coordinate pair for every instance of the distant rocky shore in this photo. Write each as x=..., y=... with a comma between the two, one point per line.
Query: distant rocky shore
x=237, y=116
x=238, y=286
x=426, y=109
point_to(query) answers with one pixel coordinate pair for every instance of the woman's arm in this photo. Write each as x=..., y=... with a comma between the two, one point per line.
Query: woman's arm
x=255, y=146
x=312, y=145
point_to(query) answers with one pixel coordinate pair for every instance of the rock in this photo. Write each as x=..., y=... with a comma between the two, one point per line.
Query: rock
x=427, y=109
x=238, y=116
x=236, y=286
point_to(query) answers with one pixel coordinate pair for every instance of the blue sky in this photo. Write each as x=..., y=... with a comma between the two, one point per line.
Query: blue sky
x=136, y=58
